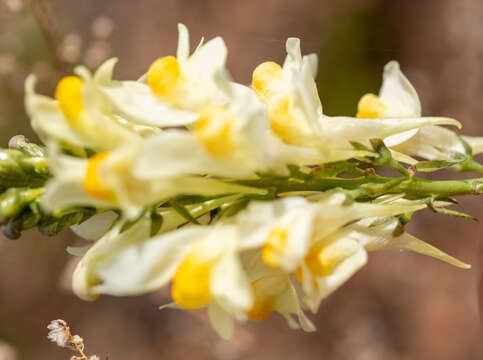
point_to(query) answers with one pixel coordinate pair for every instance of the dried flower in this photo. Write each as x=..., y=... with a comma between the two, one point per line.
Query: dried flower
x=61, y=335
x=59, y=332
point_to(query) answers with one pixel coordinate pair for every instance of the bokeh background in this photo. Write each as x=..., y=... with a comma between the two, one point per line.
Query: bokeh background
x=400, y=306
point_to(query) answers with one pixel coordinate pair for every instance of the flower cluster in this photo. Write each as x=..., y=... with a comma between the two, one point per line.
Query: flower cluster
x=234, y=194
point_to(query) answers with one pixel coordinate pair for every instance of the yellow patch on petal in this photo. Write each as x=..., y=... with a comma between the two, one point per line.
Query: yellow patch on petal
x=299, y=275
x=275, y=246
x=266, y=80
x=322, y=259
x=265, y=291
x=92, y=182
x=214, y=129
x=69, y=95
x=191, y=283
x=285, y=122
x=370, y=106
x=164, y=76
x=261, y=309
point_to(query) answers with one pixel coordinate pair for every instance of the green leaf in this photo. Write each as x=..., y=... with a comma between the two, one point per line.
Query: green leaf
x=430, y=166
x=180, y=209
x=156, y=222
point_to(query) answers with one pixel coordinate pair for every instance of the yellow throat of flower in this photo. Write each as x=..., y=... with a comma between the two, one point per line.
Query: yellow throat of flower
x=370, y=106
x=214, y=129
x=275, y=247
x=92, y=181
x=164, y=78
x=285, y=121
x=322, y=259
x=265, y=291
x=266, y=80
x=69, y=95
x=191, y=283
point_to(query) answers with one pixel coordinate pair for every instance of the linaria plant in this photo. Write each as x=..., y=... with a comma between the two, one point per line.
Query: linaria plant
x=247, y=199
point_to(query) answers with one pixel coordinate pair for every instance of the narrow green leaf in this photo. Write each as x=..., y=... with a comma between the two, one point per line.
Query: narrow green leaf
x=180, y=209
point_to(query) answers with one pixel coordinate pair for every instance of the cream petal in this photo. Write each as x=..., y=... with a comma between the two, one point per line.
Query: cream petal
x=66, y=187
x=338, y=276
x=208, y=58
x=288, y=304
x=338, y=131
x=380, y=237
x=398, y=94
x=294, y=55
x=183, y=51
x=306, y=97
x=433, y=143
x=313, y=61
x=229, y=285
x=145, y=265
x=46, y=117
x=221, y=321
x=103, y=75
x=95, y=227
x=135, y=101
x=476, y=144
x=85, y=277
x=180, y=152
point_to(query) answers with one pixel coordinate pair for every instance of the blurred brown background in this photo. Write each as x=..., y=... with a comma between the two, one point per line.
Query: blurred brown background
x=400, y=306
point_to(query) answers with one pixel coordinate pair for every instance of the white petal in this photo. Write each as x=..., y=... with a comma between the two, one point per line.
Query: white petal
x=313, y=61
x=399, y=138
x=398, y=94
x=433, y=143
x=46, y=117
x=181, y=153
x=221, y=320
x=136, y=102
x=144, y=265
x=229, y=285
x=66, y=187
x=381, y=237
x=95, y=227
x=207, y=59
x=338, y=131
x=476, y=144
x=103, y=75
x=340, y=274
x=294, y=55
x=183, y=43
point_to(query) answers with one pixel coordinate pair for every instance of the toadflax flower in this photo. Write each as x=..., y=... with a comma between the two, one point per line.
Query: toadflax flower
x=106, y=179
x=295, y=111
x=174, y=88
x=398, y=98
x=78, y=116
x=248, y=275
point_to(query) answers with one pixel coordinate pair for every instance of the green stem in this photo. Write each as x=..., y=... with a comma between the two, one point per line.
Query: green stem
x=411, y=186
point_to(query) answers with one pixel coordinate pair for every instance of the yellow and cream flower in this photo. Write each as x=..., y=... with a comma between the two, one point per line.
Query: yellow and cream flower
x=106, y=179
x=296, y=236
x=204, y=266
x=290, y=94
x=174, y=88
x=295, y=111
x=78, y=116
x=273, y=291
x=201, y=262
x=398, y=105
x=228, y=139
